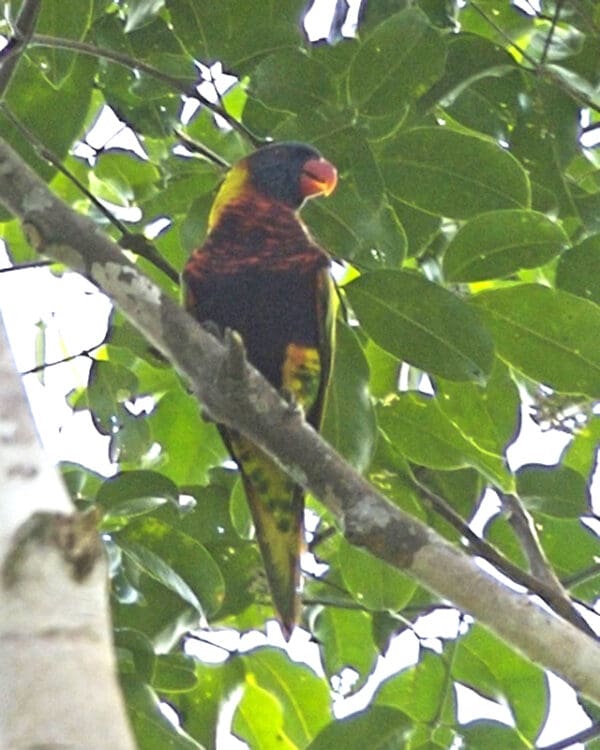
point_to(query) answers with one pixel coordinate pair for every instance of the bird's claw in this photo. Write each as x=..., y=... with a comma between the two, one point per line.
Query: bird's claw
x=291, y=400
x=213, y=328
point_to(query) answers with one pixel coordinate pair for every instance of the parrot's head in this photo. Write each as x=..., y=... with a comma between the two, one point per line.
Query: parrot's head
x=290, y=173
x=287, y=173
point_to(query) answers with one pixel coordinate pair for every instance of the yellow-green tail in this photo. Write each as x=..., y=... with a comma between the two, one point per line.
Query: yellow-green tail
x=277, y=508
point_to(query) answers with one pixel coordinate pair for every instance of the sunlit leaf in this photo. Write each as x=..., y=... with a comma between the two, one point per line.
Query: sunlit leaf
x=550, y=335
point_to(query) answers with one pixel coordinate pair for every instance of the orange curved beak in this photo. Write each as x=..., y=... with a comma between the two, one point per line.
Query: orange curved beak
x=319, y=177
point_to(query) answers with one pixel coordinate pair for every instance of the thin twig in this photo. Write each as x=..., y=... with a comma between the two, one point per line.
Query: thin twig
x=584, y=736
x=200, y=148
x=548, y=39
x=185, y=86
x=500, y=31
x=22, y=35
x=485, y=550
x=544, y=71
x=25, y=266
x=523, y=526
x=194, y=635
x=129, y=240
x=590, y=128
x=64, y=360
x=581, y=576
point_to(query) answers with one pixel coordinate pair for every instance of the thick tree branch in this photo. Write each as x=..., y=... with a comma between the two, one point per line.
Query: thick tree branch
x=55, y=630
x=252, y=406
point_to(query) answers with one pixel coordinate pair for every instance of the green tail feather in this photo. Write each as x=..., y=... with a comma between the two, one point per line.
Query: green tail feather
x=277, y=508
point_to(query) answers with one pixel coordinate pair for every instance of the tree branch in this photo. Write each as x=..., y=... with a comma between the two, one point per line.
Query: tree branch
x=540, y=581
x=185, y=86
x=252, y=406
x=133, y=241
x=584, y=736
x=556, y=596
x=23, y=32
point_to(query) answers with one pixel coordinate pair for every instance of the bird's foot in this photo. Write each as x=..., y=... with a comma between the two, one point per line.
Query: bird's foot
x=291, y=400
x=213, y=328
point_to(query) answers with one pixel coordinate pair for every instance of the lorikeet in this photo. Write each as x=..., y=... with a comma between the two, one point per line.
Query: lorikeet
x=261, y=274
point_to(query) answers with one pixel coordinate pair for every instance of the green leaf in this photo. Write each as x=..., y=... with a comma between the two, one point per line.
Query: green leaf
x=40, y=349
x=377, y=727
x=485, y=663
x=507, y=21
x=202, y=706
x=374, y=584
x=553, y=490
x=452, y=174
x=489, y=105
x=175, y=559
x=349, y=422
x=419, y=691
x=499, y=243
x=298, y=699
x=570, y=546
x=356, y=230
x=470, y=59
x=346, y=642
x=57, y=19
x=140, y=12
x=384, y=73
x=259, y=720
x=578, y=270
x=580, y=454
x=152, y=729
x=155, y=567
x=122, y=513
x=139, y=649
x=127, y=174
x=19, y=249
x=384, y=370
x=55, y=116
x=485, y=733
x=461, y=489
x=486, y=416
x=422, y=323
x=292, y=81
x=355, y=160
x=110, y=385
x=419, y=431
x=174, y=673
x=545, y=136
x=191, y=445
x=210, y=524
x=420, y=227
x=136, y=485
x=82, y=483
x=241, y=518
x=549, y=335
x=240, y=35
